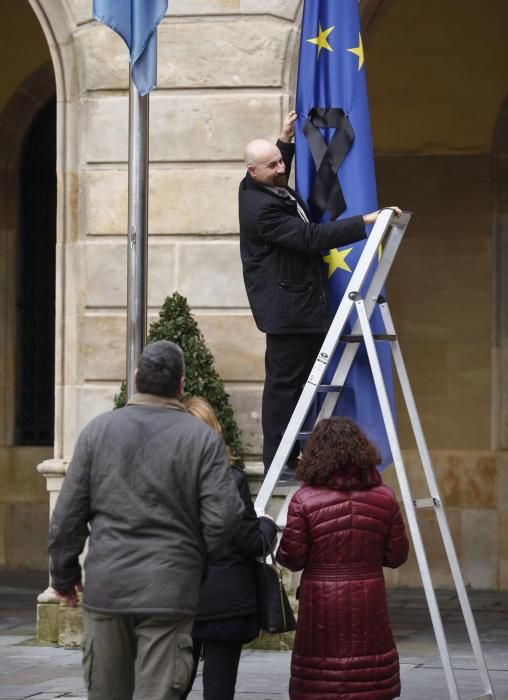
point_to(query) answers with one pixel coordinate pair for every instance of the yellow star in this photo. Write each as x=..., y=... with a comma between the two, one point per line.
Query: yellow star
x=359, y=52
x=321, y=39
x=336, y=259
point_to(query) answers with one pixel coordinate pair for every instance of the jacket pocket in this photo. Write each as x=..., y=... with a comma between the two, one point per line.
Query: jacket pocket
x=183, y=661
x=297, y=303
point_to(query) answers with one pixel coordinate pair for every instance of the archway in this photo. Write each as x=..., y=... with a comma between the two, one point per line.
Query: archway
x=35, y=299
x=26, y=91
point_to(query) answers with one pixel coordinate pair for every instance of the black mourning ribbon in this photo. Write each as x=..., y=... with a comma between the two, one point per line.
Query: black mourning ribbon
x=327, y=194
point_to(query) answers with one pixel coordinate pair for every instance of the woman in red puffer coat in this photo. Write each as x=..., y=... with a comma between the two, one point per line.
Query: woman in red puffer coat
x=343, y=526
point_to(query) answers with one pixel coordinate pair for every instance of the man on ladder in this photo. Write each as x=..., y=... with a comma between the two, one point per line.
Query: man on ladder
x=285, y=277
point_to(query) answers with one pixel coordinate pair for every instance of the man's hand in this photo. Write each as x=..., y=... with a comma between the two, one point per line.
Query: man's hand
x=288, y=128
x=70, y=596
x=372, y=218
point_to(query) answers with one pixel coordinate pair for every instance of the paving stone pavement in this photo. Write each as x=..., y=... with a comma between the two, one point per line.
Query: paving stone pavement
x=47, y=673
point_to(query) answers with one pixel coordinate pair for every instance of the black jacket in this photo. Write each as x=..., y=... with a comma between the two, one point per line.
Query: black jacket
x=285, y=276
x=229, y=589
x=154, y=486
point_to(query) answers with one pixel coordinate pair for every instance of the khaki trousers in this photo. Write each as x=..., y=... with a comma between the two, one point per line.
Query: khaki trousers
x=136, y=657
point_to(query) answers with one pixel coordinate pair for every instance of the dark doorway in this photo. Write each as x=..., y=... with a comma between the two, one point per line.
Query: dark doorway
x=35, y=356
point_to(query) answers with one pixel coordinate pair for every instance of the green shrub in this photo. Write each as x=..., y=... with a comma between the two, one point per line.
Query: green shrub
x=201, y=379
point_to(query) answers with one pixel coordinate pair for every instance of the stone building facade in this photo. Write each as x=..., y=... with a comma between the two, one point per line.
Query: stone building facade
x=227, y=69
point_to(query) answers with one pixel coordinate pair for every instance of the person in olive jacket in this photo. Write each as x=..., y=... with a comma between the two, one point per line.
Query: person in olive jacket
x=150, y=487
x=343, y=526
x=226, y=617
x=285, y=276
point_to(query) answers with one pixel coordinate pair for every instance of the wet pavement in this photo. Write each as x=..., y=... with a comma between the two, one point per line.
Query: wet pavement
x=46, y=673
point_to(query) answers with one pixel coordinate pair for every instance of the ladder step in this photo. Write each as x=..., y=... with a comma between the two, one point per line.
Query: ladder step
x=359, y=338
x=329, y=389
x=425, y=503
x=288, y=484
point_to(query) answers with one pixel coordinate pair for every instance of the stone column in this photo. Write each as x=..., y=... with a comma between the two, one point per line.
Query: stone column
x=48, y=605
x=56, y=623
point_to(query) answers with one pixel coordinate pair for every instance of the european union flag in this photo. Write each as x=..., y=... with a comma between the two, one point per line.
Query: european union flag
x=136, y=22
x=335, y=172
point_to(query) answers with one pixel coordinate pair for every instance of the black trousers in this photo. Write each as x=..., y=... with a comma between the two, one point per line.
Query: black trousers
x=289, y=359
x=220, y=668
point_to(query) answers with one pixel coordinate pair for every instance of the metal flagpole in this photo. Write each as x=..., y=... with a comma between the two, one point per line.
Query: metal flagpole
x=137, y=247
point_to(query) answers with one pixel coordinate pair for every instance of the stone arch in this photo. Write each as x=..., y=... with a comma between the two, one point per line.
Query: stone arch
x=500, y=279
x=24, y=504
x=57, y=25
x=52, y=72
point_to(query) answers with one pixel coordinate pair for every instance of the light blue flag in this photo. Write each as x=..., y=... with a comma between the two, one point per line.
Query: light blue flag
x=335, y=173
x=136, y=22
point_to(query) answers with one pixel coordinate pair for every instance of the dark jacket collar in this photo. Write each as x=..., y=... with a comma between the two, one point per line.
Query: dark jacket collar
x=155, y=401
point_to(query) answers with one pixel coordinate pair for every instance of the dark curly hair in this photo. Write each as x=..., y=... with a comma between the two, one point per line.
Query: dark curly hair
x=338, y=446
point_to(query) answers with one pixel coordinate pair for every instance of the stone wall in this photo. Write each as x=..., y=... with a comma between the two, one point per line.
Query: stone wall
x=473, y=488
x=224, y=76
x=24, y=509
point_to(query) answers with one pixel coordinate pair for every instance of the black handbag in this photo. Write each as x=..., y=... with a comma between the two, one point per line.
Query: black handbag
x=274, y=610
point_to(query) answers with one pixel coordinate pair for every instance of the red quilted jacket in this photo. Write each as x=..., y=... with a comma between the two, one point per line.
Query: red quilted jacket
x=342, y=536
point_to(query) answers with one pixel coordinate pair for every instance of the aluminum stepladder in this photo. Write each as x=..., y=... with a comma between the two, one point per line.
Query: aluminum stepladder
x=363, y=296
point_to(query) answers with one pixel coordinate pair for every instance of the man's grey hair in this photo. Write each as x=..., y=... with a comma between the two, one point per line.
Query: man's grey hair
x=160, y=369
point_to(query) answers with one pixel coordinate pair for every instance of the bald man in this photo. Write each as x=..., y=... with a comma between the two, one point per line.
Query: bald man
x=285, y=276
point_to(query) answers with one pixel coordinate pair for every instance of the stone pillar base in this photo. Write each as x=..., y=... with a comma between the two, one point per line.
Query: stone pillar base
x=58, y=623
x=70, y=626
x=47, y=623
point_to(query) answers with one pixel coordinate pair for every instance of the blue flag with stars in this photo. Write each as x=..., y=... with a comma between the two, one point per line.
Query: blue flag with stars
x=335, y=174
x=136, y=21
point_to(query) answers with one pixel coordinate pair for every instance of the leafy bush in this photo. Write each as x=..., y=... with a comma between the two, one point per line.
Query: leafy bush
x=201, y=379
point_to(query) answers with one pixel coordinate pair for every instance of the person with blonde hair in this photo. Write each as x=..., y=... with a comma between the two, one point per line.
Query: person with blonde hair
x=226, y=616
x=200, y=408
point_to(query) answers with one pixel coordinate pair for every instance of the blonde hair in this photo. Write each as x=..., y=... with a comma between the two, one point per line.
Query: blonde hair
x=199, y=407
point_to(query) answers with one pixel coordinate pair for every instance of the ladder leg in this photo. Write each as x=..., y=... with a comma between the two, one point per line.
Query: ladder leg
x=283, y=512
x=408, y=502
x=440, y=512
